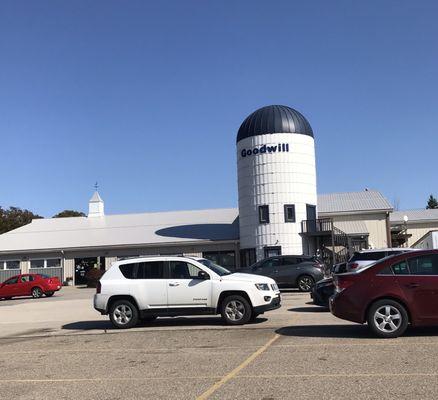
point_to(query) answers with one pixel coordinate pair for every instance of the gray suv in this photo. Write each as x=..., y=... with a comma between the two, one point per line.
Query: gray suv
x=290, y=271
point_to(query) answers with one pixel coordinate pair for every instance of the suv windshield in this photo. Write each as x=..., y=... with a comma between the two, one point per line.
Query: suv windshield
x=221, y=271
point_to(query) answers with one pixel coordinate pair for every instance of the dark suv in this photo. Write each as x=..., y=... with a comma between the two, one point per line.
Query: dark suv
x=290, y=271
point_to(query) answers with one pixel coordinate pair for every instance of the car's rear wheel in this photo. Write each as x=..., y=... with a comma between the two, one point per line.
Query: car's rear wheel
x=37, y=292
x=236, y=310
x=305, y=283
x=49, y=294
x=387, y=318
x=123, y=314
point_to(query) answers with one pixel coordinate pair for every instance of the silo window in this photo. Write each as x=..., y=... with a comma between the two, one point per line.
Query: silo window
x=264, y=214
x=289, y=213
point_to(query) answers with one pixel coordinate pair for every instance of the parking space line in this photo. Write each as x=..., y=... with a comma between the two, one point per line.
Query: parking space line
x=236, y=370
x=221, y=348
x=210, y=391
x=158, y=378
x=360, y=375
x=152, y=350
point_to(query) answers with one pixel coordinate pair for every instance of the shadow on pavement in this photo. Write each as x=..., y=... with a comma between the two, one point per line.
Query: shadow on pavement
x=312, y=309
x=290, y=290
x=160, y=322
x=346, y=331
x=89, y=325
x=326, y=331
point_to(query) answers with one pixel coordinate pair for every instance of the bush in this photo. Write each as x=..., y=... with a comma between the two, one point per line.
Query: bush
x=92, y=276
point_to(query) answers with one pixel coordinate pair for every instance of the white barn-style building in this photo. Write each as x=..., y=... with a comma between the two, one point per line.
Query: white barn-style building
x=279, y=212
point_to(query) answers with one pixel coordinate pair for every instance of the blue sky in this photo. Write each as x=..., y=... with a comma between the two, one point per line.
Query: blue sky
x=146, y=97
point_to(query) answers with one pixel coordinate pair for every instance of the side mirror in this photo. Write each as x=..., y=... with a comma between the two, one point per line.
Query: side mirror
x=203, y=275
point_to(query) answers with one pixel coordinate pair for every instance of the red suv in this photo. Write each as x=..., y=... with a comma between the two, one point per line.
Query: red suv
x=29, y=284
x=390, y=293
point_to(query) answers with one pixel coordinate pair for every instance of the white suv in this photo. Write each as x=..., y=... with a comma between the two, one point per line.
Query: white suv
x=147, y=288
x=361, y=259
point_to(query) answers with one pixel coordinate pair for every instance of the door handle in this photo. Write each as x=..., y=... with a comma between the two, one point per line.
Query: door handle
x=413, y=285
x=174, y=284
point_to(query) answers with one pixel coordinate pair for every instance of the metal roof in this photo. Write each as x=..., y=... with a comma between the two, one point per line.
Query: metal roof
x=123, y=230
x=274, y=119
x=350, y=202
x=161, y=228
x=421, y=215
x=352, y=227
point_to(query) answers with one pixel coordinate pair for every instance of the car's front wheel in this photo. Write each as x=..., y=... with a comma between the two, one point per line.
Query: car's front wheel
x=123, y=314
x=37, y=292
x=305, y=283
x=236, y=310
x=387, y=318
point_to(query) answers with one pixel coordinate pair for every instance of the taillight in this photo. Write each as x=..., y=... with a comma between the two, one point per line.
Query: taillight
x=98, y=288
x=343, y=282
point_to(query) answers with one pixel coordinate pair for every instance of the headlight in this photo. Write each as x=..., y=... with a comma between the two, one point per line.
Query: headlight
x=262, y=286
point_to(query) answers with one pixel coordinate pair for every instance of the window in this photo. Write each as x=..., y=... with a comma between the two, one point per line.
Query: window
x=425, y=265
x=264, y=214
x=45, y=263
x=368, y=256
x=26, y=278
x=128, y=270
x=289, y=213
x=150, y=270
x=144, y=270
x=226, y=259
x=183, y=270
x=12, y=265
x=221, y=271
x=401, y=268
x=386, y=271
x=53, y=263
x=273, y=262
x=272, y=251
x=37, y=263
x=12, y=281
x=247, y=257
x=289, y=261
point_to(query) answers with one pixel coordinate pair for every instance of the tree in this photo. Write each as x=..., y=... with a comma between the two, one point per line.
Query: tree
x=432, y=203
x=14, y=217
x=69, y=213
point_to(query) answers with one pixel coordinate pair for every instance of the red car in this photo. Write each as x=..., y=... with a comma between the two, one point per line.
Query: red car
x=34, y=285
x=390, y=294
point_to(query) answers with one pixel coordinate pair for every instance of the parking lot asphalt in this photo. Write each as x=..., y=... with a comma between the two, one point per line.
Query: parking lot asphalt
x=60, y=348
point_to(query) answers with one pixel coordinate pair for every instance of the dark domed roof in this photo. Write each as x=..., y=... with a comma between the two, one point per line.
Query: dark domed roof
x=274, y=119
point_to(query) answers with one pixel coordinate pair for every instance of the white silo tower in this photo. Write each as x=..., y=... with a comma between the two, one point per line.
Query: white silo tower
x=276, y=182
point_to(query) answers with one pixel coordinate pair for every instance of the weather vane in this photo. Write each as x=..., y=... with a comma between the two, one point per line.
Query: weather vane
x=96, y=186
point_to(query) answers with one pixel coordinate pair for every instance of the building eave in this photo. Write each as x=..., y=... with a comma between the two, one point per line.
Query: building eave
x=118, y=247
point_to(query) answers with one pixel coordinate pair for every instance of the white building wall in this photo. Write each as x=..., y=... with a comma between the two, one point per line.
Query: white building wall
x=428, y=242
x=375, y=223
x=418, y=230
x=69, y=268
x=24, y=266
x=109, y=261
x=275, y=179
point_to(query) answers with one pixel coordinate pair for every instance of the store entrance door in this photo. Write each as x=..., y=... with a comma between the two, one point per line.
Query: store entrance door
x=83, y=265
